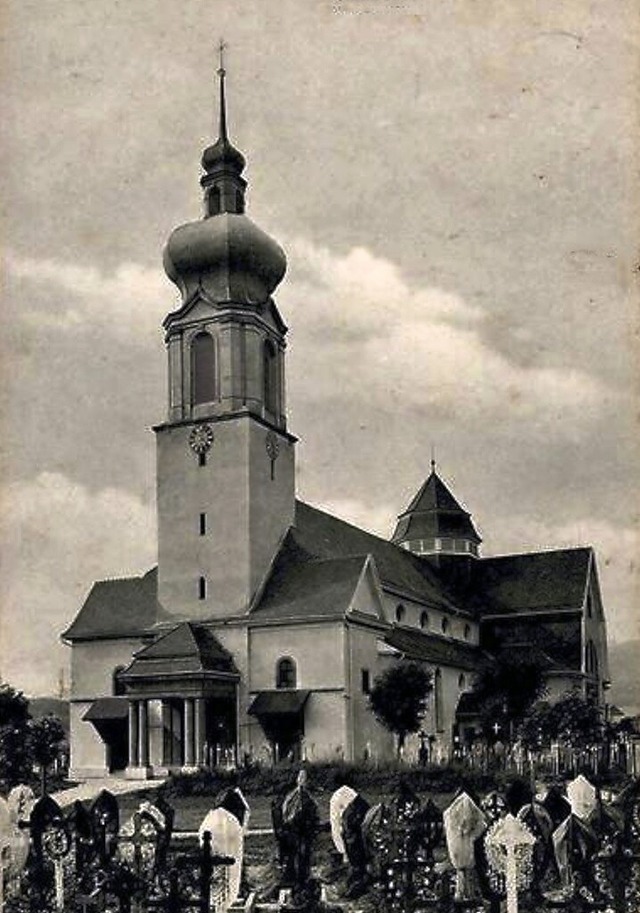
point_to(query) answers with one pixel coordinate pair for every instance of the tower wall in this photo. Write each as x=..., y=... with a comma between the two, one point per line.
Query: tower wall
x=246, y=514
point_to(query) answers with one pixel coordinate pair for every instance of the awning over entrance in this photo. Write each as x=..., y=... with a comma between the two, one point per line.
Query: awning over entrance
x=105, y=709
x=275, y=703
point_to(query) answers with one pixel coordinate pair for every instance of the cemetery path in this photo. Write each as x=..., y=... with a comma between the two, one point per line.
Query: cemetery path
x=90, y=789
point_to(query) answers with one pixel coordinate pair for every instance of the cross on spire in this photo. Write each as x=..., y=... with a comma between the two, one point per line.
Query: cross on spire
x=222, y=46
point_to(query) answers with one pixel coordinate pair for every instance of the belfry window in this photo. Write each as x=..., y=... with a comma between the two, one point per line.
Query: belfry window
x=214, y=201
x=400, y=613
x=286, y=676
x=203, y=369
x=202, y=588
x=270, y=376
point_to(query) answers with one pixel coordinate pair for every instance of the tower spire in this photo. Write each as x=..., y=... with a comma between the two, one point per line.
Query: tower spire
x=222, y=131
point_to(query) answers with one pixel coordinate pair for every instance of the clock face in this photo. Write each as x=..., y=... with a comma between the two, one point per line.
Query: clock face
x=272, y=445
x=201, y=438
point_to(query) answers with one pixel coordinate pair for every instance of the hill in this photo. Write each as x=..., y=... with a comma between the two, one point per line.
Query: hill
x=42, y=706
x=625, y=676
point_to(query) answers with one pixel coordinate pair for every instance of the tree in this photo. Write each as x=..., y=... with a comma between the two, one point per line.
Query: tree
x=506, y=688
x=572, y=720
x=15, y=762
x=398, y=698
x=46, y=737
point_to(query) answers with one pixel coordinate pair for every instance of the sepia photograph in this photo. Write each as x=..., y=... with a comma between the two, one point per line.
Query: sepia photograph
x=320, y=476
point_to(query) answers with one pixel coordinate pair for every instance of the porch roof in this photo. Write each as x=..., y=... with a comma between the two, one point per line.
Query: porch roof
x=107, y=708
x=283, y=701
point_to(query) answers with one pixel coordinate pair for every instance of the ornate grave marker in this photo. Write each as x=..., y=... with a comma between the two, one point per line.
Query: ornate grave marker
x=583, y=797
x=464, y=823
x=509, y=844
x=227, y=839
x=51, y=842
x=338, y=804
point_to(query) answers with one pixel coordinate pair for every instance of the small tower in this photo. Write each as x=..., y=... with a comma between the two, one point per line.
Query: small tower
x=436, y=527
x=225, y=469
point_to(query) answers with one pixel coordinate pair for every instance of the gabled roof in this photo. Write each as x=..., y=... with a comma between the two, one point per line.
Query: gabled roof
x=127, y=607
x=319, y=535
x=308, y=589
x=187, y=648
x=434, y=512
x=431, y=648
x=532, y=582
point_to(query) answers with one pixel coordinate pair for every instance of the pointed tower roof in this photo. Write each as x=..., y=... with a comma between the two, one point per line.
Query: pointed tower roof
x=434, y=513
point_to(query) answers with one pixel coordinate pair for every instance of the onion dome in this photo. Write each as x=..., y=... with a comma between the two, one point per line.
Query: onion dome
x=434, y=522
x=225, y=252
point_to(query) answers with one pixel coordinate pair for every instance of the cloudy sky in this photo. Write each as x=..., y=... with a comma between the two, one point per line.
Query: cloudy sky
x=452, y=182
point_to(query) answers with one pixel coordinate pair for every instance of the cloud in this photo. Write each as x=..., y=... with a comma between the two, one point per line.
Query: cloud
x=130, y=301
x=57, y=538
x=361, y=326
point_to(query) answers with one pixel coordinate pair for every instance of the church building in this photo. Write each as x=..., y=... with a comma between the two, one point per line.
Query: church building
x=266, y=620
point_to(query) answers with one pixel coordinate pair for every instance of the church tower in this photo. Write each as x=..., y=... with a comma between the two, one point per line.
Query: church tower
x=436, y=527
x=225, y=461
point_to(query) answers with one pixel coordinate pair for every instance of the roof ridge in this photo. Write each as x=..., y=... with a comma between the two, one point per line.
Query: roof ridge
x=541, y=551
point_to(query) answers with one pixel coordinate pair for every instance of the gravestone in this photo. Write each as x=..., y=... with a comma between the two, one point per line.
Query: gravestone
x=227, y=839
x=51, y=843
x=105, y=820
x=300, y=823
x=494, y=806
x=338, y=804
x=354, y=844
x=583, y=797
x=21, y=800
x=464, y=823
x=509, y=846
x=233, y=801
x=574, y=846
x=556, y=805
x=537, y=819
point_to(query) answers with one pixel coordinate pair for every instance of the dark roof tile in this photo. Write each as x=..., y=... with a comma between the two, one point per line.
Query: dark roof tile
x=118, y=608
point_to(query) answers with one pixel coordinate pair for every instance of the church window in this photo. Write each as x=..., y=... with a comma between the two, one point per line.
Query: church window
x=467, y=632
x=438, y=700
x=424, y=620
x=214, y=201
x=366, y=681
x=286, y=676
x=203, y=524
x=445, y=625
x=400, y=613
x=203, y=369
x=270, y=376
x=202, y=459
x=202, y=588
x=462, y=680
x=117, y=685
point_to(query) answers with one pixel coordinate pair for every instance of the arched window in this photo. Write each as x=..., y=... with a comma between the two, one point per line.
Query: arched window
x=270, y=376
x=400, y=613
x=203, y=369
x=445, y=625
x=424, y=620
x=462, y=680
x=286, y=673
x=214, y=201
x=467, y=632
x=117, y=685
x=437, y=681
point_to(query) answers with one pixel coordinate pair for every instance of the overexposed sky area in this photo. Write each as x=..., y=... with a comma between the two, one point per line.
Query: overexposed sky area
x=453, y=184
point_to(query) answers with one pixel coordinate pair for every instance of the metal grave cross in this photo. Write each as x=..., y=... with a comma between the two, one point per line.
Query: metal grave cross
x=509, y=844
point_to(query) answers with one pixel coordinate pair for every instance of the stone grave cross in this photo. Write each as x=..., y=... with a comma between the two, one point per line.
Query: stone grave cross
x=509, y=844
